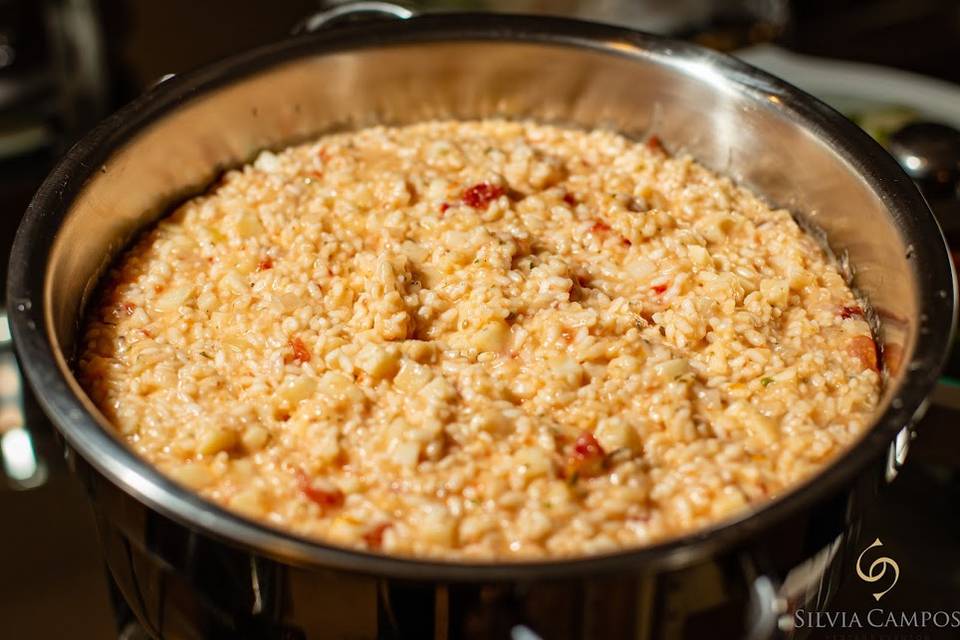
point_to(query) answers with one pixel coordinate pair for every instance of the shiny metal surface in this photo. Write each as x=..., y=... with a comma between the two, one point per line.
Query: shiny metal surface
x=175, y=141
x=350, y=11
x=930, y=154
x=183, y=584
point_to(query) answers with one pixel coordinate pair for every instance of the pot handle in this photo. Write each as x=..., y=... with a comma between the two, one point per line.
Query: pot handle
x=350, y=11
x=764, y=608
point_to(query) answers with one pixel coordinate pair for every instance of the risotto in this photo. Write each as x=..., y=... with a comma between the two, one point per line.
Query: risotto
x=481, y=340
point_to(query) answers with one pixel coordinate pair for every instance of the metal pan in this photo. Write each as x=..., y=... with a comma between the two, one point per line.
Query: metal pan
x=190, y=569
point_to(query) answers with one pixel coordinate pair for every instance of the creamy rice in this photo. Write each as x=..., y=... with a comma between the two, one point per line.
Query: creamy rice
x=484, y=340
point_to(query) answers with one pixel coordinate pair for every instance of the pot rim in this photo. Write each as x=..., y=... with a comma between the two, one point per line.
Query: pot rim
x=42, y=361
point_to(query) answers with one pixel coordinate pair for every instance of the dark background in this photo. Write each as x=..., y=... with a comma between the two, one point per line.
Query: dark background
x=51, y=575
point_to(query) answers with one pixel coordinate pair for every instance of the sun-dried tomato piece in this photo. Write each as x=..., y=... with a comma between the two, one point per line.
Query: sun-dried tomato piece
x=444, y=207
x=374, y=537
x=865, y=349
x=599, y=226
x=654, y=143
x=300, y=352
x=266, y=263
x=320, y=491
x=659, y=288
x=586, y=458
x=850, y=311
x=569, y=199
x=586, y=445
x=625, y=241
x=479, y=196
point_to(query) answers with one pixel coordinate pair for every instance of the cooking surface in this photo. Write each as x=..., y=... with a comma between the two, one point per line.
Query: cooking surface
x=54, y=582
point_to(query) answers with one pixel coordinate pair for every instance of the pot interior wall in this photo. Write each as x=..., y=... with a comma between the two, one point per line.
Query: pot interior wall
x=738, y=127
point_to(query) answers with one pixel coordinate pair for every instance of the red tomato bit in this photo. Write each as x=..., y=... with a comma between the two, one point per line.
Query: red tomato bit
x=479, y=196
x=659, y=288
x=320, y=491
x=300, y=352
x=444, y=207
x=599, y=225
x=850, y=311
x=266, y=263
x=374, y=537
x=625, y=242
x=587, y=457
x=569, y=199
x=655, y=144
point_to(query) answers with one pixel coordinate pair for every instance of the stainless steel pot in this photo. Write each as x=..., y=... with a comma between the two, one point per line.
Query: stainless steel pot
x=190, y=569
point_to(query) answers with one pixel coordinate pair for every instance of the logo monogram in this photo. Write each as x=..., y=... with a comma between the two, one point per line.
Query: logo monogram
x=878, y=569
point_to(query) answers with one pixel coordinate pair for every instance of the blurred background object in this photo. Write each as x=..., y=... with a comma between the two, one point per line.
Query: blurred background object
x=64, y=64
x=148, y=39
x=53, y=87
